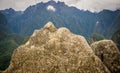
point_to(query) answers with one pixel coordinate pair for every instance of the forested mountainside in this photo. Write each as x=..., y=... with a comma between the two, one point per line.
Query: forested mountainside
x=78, y=21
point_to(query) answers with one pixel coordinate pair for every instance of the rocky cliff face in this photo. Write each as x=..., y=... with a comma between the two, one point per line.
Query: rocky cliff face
x=52, y=50
x=109, y=54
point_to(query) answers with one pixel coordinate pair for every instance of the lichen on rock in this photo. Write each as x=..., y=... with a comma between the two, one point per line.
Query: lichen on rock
x=52, y=50
x=109, y=54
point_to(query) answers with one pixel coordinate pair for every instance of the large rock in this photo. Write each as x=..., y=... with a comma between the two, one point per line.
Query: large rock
x=109, y=54
x=52, y=50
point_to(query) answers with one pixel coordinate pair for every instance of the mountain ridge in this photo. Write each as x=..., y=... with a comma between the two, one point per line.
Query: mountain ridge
x=78, y=21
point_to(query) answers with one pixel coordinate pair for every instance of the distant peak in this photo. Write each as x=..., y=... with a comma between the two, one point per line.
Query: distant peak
x=52, y=1
x=10, y=9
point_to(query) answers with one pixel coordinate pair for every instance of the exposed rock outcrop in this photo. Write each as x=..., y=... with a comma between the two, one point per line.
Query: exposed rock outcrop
x=52, y=50
x=109, y=54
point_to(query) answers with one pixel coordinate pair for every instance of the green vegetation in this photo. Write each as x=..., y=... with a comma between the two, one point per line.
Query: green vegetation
x=7, y=46
x=8, y=42
x=25, y=40
x=95, y=37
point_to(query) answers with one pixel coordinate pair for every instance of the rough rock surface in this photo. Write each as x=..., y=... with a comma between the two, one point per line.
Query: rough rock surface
x=107, y=51
x=52, y=50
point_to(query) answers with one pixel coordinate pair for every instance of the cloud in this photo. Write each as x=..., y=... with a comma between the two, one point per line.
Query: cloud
x=98, y=5
x=18, y=4
x=91, y=5
x=51, y=8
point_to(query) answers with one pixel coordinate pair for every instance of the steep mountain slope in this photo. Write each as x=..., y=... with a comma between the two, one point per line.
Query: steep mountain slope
x=4, y=26
x=8, y=42
x=11, y=16
x=52, y=50
x=7, y=46
x=115, y=24
x=116, y=38
x=116, y=34
x=106, y=22
x=78, y=21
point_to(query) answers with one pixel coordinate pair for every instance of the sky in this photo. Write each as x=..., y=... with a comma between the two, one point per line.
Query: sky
x=91, y=5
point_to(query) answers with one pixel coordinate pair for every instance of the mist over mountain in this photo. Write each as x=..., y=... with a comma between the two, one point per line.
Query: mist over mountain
x=78, y=21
